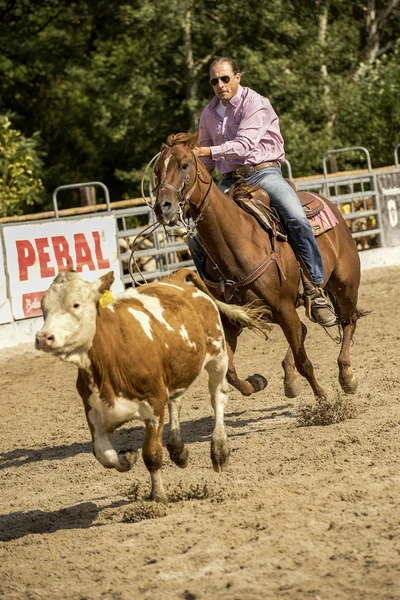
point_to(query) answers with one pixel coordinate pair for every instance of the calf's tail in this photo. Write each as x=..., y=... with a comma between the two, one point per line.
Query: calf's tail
x=250, y=316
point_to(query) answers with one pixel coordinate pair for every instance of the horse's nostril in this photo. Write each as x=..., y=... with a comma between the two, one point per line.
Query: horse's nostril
x=166, y=206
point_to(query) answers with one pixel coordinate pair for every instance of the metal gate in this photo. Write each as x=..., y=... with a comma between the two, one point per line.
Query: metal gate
x=368, y=199
x=356, y=195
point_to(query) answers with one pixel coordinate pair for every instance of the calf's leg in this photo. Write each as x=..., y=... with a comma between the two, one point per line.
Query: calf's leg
x=153, y=454
x=218, y=386
x=102, y=447
x=175, y=445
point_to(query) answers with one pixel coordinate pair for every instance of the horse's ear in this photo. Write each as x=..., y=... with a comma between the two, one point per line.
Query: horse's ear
x=194, y=140
x=163, y=146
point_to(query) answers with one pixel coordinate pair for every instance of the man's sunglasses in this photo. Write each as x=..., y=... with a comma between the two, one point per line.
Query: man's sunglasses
x=224, y=79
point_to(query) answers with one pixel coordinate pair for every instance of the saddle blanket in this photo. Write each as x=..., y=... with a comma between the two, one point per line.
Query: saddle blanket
x=323, y=221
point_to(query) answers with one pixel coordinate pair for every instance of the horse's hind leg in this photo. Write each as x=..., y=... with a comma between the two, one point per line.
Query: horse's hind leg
x=291, y=381
x=253, y=383
x=347, y=379
x=346, y=299
x=218, y=388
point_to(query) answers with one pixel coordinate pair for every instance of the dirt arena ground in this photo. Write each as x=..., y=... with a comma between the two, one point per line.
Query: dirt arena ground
x=302, y=513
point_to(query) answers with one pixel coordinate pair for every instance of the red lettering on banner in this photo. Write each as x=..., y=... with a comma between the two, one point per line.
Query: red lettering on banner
x=42, y=245
x=26, y=257
x=83, y=254
x=61, y=252
x=103, y=263
x=31, y=304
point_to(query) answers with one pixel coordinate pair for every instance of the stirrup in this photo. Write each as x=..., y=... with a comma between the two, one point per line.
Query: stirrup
x=319, y=309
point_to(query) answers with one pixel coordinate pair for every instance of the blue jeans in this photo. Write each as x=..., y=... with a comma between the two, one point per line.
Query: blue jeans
x=286, y=203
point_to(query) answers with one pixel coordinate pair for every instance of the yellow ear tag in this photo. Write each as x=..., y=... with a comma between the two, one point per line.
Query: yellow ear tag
x=106, y=298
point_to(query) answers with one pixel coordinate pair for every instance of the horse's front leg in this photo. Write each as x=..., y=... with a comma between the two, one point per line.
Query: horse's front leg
x=253, y=383
x=293, y=329
x=291, y=381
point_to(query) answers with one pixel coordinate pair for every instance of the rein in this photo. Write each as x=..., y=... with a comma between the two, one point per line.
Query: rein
x=184, y=199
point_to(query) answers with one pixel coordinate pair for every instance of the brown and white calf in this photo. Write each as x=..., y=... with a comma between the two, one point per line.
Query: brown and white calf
x=139, y=354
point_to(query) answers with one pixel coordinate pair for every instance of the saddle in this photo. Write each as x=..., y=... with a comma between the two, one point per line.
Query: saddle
x=257, y=202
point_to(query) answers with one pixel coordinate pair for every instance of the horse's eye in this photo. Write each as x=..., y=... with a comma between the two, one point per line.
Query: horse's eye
x=76, y=305
x=185, y=166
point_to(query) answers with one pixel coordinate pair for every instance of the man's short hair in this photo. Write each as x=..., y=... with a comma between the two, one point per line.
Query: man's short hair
x=231, y=61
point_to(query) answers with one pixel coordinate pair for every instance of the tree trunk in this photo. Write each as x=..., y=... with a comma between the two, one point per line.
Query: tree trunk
x=375, y=19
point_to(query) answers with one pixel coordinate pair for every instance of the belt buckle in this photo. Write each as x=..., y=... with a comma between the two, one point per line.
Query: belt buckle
x=245, y=171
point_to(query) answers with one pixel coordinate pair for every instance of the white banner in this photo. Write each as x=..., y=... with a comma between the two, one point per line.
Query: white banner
x=35, y=253
x=5, y=308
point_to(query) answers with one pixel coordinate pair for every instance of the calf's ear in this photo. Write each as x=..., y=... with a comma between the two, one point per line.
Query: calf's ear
x=105, y=282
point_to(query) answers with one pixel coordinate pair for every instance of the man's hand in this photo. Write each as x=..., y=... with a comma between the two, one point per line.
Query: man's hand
x=202, y=151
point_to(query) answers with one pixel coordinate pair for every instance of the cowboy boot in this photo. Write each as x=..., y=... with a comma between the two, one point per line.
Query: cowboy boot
x=318, y=307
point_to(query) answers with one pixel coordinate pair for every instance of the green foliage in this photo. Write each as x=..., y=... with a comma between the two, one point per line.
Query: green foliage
x=106, y=83
x=20, y=167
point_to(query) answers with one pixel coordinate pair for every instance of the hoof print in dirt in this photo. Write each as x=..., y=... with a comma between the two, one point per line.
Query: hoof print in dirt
x=143, y=511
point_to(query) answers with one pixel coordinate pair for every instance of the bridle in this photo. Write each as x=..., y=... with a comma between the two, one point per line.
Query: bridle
x=184, y=198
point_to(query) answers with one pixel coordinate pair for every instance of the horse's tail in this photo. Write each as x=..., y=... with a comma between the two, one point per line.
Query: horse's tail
x=362, y=313
x=253, y=317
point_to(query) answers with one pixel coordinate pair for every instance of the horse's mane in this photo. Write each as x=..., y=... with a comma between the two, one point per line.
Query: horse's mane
x=177, y=138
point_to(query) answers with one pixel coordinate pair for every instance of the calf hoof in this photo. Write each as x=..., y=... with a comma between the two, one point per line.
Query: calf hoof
x=219, y=455
x=158, y=497
x=258, y=382
x=178, y=453
x=181, y=460
x=127, y=459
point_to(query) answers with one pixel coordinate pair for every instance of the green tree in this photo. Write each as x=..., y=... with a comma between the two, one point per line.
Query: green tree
x=20, y=168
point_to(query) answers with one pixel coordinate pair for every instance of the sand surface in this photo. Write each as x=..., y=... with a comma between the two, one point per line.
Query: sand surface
x=302, y=513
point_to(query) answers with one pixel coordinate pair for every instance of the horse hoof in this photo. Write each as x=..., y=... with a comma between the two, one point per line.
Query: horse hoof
x=258, y=382
x=292, y=388
x=349, y=387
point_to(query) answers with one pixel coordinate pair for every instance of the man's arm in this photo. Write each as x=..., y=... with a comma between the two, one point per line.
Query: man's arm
x=203, y=151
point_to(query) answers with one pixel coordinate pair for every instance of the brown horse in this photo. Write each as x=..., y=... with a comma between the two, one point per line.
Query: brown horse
x=242, y=257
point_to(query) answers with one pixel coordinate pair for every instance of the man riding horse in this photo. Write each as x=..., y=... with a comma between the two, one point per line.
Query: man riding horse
x=240, y=135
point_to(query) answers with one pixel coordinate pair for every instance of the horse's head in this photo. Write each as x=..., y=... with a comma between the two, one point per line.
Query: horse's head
x=176, y=172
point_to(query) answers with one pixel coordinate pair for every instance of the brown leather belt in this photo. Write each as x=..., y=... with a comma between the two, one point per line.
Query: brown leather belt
x=248, y=170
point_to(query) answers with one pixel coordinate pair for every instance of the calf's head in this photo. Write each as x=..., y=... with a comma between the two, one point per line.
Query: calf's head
x=69, y=309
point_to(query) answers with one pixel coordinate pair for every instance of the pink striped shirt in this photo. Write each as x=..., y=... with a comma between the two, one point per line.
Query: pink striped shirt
x=248, y=133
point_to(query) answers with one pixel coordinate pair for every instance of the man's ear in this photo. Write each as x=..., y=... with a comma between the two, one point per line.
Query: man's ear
x=194, y=140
